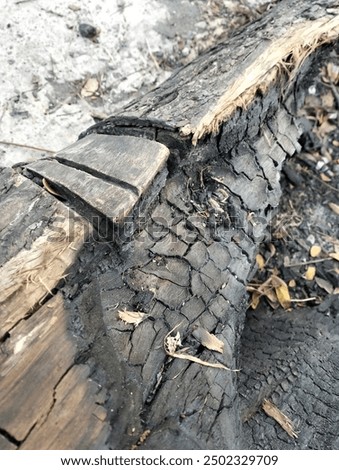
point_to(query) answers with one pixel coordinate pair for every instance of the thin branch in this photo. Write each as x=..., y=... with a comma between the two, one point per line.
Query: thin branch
x=309, y=299
x=320, y=180
x=303, y=263
x=39, y=149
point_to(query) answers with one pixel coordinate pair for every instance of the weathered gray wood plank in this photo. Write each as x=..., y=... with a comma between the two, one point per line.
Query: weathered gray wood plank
x=125, y=160
x=5, y=444
x=37, y=255
x=105, y=174
x=81, y=188
x=45, y=400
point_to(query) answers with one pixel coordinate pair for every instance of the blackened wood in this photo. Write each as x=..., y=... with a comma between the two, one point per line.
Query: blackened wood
x=186, y=265
x=291, y=358
x=205, y=93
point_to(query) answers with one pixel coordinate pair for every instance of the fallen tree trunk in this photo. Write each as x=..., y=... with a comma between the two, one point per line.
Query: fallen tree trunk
x=173, y=201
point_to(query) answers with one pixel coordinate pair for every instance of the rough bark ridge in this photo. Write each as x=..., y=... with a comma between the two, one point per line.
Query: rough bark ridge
x=186, y=251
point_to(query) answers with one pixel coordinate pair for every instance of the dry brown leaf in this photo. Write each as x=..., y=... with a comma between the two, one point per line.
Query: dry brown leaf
x=334, y=256
x=272, y=249
x=260, y=261
x=273, y=411
x=325, y=178
x=133, y=318
x=48, y=188
x=90, y=87
x=172, y=342
x=315, y=251
x=327, y=100
x=255, y=299
x=333, y=73
x=208, y=340
x=282, y=292
x=292, y=283
x=334, y=207
x=325, y=128
x=310, y=273
x=265, y=289
x=323, y=284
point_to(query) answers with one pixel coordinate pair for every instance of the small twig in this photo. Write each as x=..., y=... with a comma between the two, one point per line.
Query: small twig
x=309, y=299
x=303, y=263
x=321, y=181
x=152, y=56
x=39, y=149
x=52, y=12
x=334, y=91
x=4, y=109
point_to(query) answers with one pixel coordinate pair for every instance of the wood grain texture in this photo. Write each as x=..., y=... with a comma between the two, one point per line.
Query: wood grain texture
x=104, y=174
x=45, y=400
x=41, y=239
x=128, y=161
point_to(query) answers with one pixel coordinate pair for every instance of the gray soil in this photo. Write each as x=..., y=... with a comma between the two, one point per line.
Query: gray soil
x=55, y=81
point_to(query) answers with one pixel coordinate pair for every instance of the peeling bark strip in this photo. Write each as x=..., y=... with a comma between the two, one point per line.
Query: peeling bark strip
x=102, y=377
x=283, y=54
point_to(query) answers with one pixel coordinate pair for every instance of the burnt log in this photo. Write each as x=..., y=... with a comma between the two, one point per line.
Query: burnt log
x=170, y=200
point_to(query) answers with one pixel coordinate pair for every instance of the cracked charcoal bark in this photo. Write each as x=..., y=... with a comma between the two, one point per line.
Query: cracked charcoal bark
x=191, y=258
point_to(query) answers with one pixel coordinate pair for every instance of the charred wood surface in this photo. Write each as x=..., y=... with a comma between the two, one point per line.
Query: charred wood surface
x=170, y=207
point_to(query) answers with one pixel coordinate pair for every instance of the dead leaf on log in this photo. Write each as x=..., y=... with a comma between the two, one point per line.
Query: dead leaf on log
x=208, y=340
x=172, y=342
x=255, y=300
x=331, y=73
x=334, y=256
x=334, y=207
x=273, y=411
x=282, y=292
x=265, y=289
x=133, y=318
x=323, y=284
x=260, y=261
x=48, y=187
